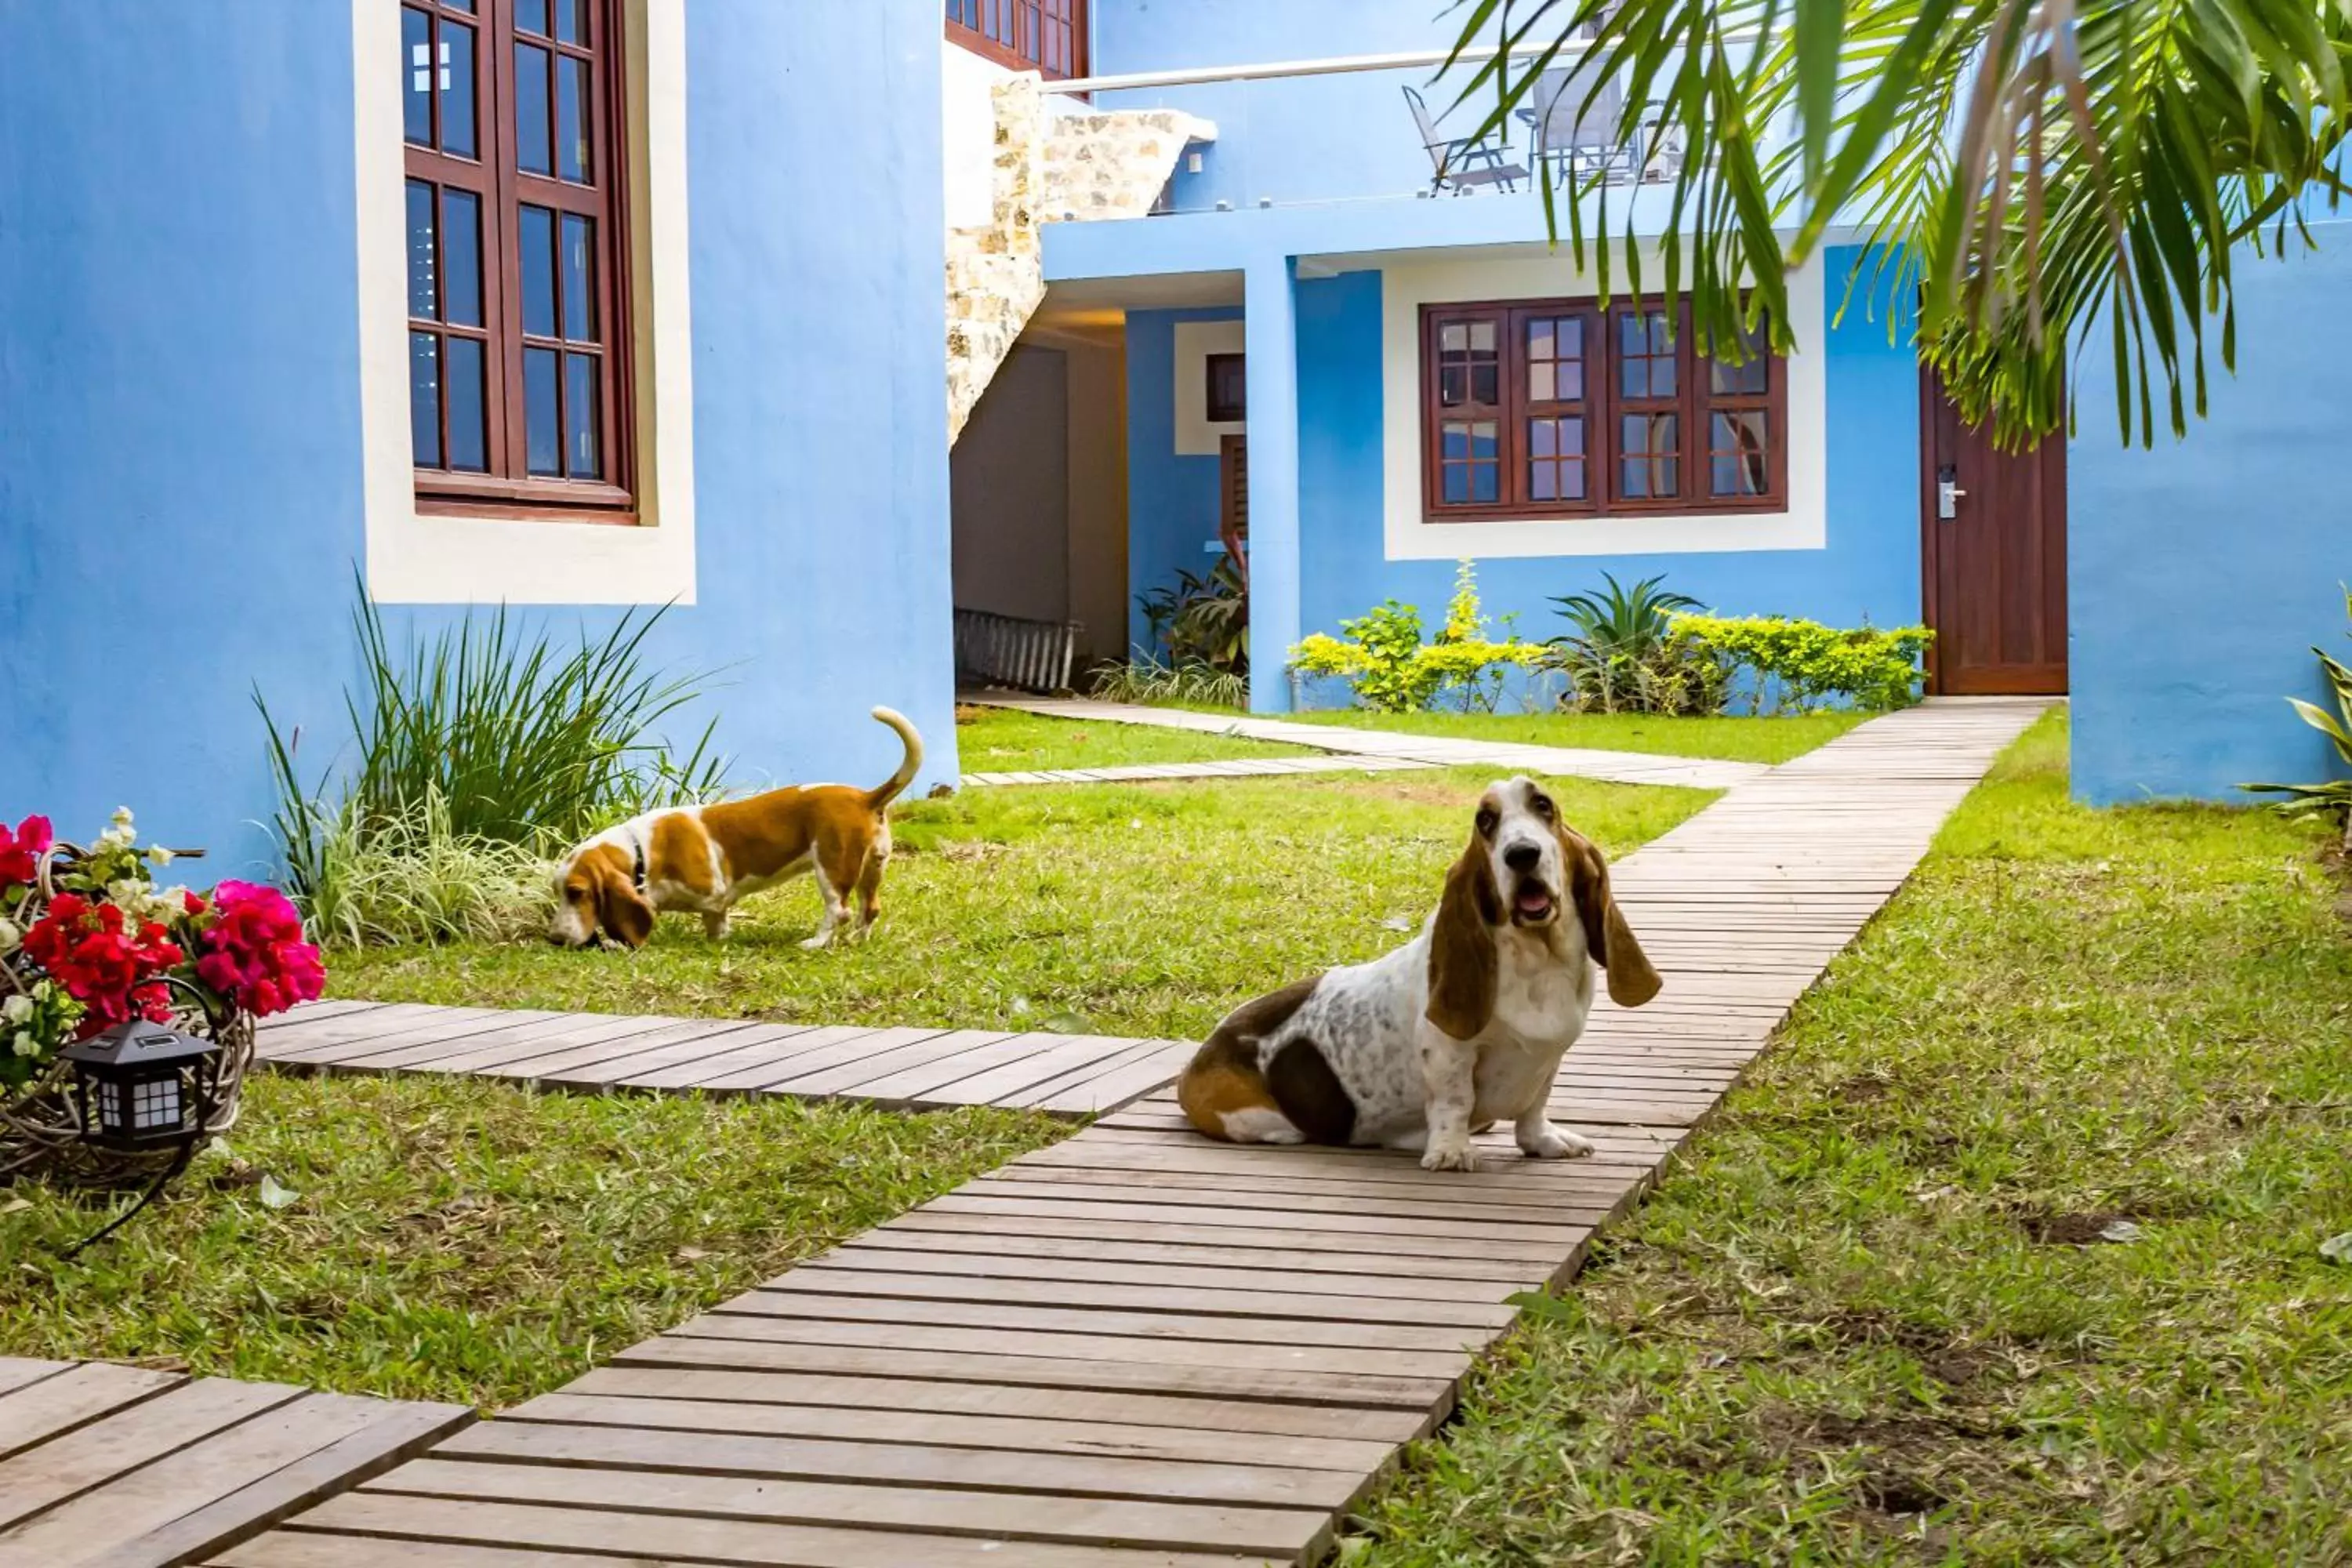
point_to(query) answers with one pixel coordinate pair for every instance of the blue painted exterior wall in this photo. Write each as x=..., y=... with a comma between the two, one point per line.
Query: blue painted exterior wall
x=1172, y=495
x=2201, y=571
x=180, y=488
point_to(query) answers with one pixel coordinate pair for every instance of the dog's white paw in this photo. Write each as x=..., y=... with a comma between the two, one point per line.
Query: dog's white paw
x=1450, y=1157
x=818, y=942
x=1551, y=1143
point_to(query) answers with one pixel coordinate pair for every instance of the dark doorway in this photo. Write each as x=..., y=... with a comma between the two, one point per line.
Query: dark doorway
x=1993, y=552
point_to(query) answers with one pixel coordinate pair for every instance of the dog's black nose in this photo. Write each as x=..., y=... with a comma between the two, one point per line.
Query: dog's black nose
x=1522, y=857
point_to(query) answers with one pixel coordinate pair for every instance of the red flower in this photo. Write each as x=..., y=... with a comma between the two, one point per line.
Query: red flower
x=255, y=953
x=21, y=851
x=106, y=963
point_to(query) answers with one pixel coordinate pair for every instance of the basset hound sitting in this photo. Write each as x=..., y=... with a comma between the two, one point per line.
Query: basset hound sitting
x=707, y=859
x=1460, y=1029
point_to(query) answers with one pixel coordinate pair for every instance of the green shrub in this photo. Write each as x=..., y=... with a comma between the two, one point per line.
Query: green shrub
x=1382, y=656
x=1623, y=656
x=2330, y=797
x=1143, y=678
x=1799, y=665
x=1203, y=620
x=481, y=752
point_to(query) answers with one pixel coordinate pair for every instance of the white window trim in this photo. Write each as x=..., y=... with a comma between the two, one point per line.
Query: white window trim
x=416, y=557
x=1196, y=434
x=1407, y=535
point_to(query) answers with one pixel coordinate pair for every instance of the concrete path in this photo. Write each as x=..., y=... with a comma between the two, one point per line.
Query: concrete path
x=1430, y=751
x=1142, y=1348
x=1231, y=768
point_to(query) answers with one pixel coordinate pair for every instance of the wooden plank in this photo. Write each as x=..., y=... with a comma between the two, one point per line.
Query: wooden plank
x=939, y=1429
x=757, y=1070
x=955, y=1236
x=1235, y=1301
x=641, y=1448
x=1197, y=1272
x=50, y=1406
x=1577, y=1204
x=1113, y=1090
x=917, y=1084
x=884, y=1051
x=1333, y=1218
x=1439, y=1253
x=89, y=1456
x=1233, y=1328
x=775, y=1539
x=597, y=1066
x=20, y=1372
x=1046, y=1367
x=1172, y=1415
x=176, y=1505
x=1090, y=1521
x=1057, y=1055
x=755, y=1055
x=304, y=1549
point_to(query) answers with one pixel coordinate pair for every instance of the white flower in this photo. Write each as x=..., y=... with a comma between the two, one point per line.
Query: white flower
x=11, y=934
x=25, y=1045
x=159, y=855
x=122, y=817
x=16, y=1009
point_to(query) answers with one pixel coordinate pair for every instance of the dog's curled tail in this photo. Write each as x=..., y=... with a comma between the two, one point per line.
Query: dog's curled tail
x=888, y=789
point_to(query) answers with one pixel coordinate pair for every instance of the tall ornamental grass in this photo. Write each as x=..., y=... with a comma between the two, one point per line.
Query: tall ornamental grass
x=481, y=752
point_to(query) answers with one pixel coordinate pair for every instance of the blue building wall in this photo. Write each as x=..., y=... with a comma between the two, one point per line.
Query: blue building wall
x=1304, y=138
x=1869, y=568
x=180, y=487
x=2201, y=571
x=1172, y=495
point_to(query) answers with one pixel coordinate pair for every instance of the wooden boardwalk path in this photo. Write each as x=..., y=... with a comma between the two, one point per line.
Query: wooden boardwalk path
x=115, y=1465
x=1142, y=1348
x=1427, y=751
x=920, y=1069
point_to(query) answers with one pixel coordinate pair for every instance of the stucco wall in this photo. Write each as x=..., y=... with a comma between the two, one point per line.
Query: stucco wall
x=2201, y=571
x=1010, y=479
x=180, y=509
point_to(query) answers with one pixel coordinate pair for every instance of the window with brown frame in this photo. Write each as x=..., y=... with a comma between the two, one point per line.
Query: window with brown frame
x=1048, y=37
x=517, y=289
x=1556, y=409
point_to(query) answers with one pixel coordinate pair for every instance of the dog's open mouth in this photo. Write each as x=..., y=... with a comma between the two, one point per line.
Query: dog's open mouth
x=1533, y=906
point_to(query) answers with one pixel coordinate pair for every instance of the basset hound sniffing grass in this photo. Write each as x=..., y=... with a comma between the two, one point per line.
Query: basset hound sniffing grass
x=1460, y=1029
x=704, y=860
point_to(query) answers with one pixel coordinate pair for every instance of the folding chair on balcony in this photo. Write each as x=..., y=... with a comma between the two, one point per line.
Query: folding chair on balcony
x=1461, y=163
x=1575, y=121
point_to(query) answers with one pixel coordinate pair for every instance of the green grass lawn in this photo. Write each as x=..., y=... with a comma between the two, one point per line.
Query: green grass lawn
x=1003, y=740
x=1146, y=909
x=1871, y=1320
x=467, y=1241
x=1734, y=739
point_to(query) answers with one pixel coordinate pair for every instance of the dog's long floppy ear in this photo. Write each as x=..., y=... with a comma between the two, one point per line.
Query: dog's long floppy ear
x=621, y=909
x=1462, y=959
x=1632, y=979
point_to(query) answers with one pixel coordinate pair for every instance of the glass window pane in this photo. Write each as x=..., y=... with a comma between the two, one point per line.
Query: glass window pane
x=1539, y=338
x=583, y=442
x=1571, y=479
x=533, y=148
x=537, y=271
x=579, y=279
x=1542, y=433
x=468, y=449
x=456, y=56
x=1453, y=384
x=425, y=399
x=1739, y=453
x=1739, y=380
x=1543, y=482
x=1539, y=380
x=1486, y=382
x=465, y=5
x=544, y=436
x=531, y=17
x=1571, y=380
x=1453, y=338
x=1453, y=441
x=461, y=257
x=1572, y=337
x=1484, y=440
x=416, y=77
x=1454, y=482
x=1482, y=337
x=1485, y=481
x=1667, y=476
x=571, y=21
x=422, y=300
x=571, y=120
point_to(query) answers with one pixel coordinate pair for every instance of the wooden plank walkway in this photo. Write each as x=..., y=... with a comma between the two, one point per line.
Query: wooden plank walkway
x=1139, y=1347
x=916, y=1070
x=115, y=1465
x=1231, y=768
x=1428, y=751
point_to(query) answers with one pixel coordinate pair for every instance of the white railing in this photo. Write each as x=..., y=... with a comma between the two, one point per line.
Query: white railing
x=1007, y=650
x=1195, y=76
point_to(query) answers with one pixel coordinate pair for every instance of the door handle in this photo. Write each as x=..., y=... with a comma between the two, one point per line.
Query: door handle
x=1947, y=493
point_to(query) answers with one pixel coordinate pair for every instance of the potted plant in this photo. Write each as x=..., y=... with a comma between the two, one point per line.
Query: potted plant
x=89, y=941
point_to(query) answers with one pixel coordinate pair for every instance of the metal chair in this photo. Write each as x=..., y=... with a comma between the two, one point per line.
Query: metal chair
x=1575, y=119
x=1460, y=163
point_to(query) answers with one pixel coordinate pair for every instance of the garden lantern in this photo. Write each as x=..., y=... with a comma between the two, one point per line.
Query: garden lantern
x=140, y=1085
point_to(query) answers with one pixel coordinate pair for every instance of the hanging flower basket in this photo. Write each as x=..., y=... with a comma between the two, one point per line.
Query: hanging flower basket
x=88, y=940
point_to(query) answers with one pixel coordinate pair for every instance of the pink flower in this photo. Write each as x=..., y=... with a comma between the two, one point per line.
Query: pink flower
x=255, y=953
x=21, y=851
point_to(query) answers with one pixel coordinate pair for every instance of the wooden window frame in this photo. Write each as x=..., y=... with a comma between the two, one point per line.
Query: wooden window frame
x=495, y=177
x=1694, y=401
x=1025, y=52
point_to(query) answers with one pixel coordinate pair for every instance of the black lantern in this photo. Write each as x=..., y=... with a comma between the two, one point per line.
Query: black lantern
x=140, y=1085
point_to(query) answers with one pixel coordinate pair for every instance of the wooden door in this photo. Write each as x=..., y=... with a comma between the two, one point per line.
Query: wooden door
x=1993, y=552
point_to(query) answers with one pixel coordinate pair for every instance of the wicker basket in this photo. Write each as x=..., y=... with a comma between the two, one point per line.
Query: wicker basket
x=40, y=1126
